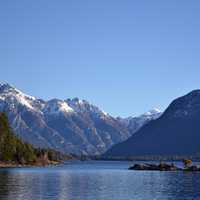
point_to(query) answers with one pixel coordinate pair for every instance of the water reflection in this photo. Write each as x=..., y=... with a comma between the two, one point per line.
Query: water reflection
x=4, y=184
x=78, y=183
x=182, y=185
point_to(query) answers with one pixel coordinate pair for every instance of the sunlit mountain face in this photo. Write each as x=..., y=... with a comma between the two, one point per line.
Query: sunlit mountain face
x=71, y=125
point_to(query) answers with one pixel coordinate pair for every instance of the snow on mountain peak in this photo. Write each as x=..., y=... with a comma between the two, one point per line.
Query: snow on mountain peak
x=15, y=96
x=83, y=106
x=64, y=107
x=8, y=89
x=153, y=111
x=56, y=106
x=152, y=114
x=10, y=93
x=105, y=113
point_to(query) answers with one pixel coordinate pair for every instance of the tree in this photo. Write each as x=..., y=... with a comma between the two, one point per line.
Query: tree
x=187, y=162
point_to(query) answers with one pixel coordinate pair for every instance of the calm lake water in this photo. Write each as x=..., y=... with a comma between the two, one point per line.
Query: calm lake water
x=97, y=180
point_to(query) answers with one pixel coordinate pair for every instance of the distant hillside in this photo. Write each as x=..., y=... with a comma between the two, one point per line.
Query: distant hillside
x=14, y=151
x=176, y=132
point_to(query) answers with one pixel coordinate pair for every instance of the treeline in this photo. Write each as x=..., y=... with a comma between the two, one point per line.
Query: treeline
x=149, y=158
x=13, y=150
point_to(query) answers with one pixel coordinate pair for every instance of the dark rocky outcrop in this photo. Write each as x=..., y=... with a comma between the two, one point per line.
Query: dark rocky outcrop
x=154, y=167
x=163, y=167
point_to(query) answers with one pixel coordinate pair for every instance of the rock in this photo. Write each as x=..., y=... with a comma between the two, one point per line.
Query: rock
x=138, y=167
x=144, y=167
x=154, y=167
x=167, y=167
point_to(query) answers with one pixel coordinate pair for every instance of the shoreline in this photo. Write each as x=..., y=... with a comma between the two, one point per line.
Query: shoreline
x=146, y=158
x=15, y=165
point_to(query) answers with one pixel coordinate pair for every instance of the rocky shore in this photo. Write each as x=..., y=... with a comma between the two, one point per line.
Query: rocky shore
x=163, y=167
x=36, y=164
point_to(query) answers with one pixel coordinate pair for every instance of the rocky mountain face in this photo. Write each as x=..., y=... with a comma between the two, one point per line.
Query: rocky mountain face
x=70, y=126
x=176, y=132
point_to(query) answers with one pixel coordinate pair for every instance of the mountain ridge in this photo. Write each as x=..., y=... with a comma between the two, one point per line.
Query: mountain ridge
x=71, y=125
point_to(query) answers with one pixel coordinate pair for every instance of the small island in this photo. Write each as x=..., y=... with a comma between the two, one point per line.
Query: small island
x=16, y=153
x=166, y=167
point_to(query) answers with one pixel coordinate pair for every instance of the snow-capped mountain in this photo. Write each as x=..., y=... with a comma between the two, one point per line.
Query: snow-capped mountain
x=72, y=125
x=135, y=123
x=14, y=96
x=56, y=107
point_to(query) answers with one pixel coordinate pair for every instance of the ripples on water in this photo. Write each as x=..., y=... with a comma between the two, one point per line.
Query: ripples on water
x=97, y=181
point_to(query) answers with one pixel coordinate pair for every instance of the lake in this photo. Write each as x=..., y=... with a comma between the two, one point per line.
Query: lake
x=97, y=180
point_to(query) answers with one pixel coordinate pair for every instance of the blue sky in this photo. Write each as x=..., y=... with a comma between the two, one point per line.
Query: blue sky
x=124, y=56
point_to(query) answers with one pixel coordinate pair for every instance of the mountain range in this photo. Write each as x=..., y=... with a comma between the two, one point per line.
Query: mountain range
x=71, y=126
x=175, y=132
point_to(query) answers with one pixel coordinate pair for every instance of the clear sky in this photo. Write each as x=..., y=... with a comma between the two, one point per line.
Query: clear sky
x=125, y=56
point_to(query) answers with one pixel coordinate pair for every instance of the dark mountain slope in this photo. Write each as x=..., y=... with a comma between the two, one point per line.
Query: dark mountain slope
x=176, y=132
